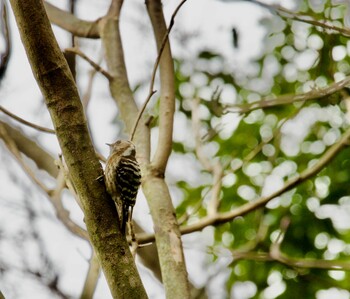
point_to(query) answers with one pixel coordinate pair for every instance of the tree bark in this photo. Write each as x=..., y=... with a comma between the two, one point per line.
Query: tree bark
x=59, y=90
x=168, y=237
x=166, y=228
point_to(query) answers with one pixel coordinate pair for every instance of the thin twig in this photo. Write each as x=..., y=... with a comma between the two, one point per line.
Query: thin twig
x=291, y=261
x=30, y=148
x=202, y=157
x=275, y=134
x=27, y=123
x=98, y=68
x=85, y=99
x=12, y=147
x=61, y=212
x=286, y=13
x=151, y=91
x=276, y=254
x=289, y=98
x=290, y=184
x=262, y=231
x=214, y=167
x=62, y=166
x=139, y=115
x=54, y=196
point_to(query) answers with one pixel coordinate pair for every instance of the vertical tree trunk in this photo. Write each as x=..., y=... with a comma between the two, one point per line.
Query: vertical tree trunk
x=58, y=87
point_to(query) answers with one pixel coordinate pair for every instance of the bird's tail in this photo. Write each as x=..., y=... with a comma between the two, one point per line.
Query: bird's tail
x=124, y=219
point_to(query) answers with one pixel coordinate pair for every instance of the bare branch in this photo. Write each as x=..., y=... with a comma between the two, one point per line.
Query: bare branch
x=277, y=255
x=31, y=149
x=214, y=167
x=151, y=91
x=11, y=145
x=289, y=98
x=142, y=110
x=275, y=134
x=71, y=23
x=253, y=205
x=289, y=14
x=98, y=68
x=87, y=94
x=168, y=237
x=54, y=196
x=61, y=212
x=292, y=262
x=120, y=87
x=62, y=99
x=167, y=82
x=290, y=184
x=27, y=123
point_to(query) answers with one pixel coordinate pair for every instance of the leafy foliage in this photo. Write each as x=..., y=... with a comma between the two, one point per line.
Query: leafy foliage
x=263, y=148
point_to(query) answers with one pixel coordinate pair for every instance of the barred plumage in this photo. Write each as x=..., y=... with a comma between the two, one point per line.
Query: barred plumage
x=123, y=178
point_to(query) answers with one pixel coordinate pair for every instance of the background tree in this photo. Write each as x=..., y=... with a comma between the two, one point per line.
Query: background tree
x=264, y=164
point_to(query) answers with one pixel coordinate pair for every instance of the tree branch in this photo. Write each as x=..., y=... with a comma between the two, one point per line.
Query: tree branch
x=289, y=98
x=167, y=83
x=46, y=162
x=27, y=123
x=291, y=261
x=54, y=196
x=11, y=146
x=120, y=87
x=276, y=254
x=87, y=94
x=214, y=167
x=98, y=68
x=151, y=91
x=286, y=13
x=71, y=23
x=61, y=212
x=290, y=184
x=253, y=205
x=168, y=237
x=61, y=96
x=31, y=149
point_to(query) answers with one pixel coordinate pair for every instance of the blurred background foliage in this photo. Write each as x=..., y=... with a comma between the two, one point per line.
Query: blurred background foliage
x=260, y=148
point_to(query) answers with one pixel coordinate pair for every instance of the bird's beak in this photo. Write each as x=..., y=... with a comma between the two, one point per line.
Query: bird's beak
x=109, y=144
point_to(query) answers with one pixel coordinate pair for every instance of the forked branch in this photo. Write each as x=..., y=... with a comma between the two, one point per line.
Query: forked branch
x=151, y=91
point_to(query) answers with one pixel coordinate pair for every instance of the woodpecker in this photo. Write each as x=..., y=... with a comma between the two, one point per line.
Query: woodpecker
x=123, y=178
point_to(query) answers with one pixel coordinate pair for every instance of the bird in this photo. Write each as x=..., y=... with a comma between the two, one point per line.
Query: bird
x=122, y=179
